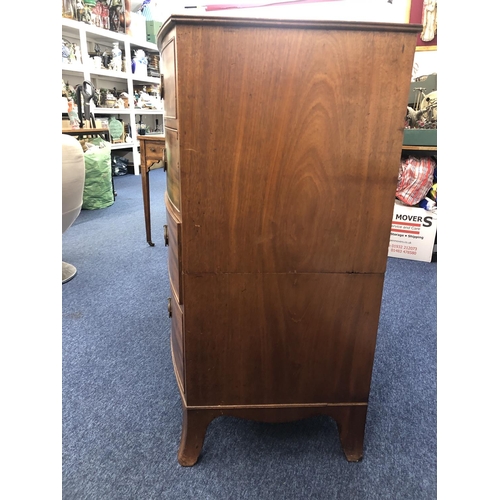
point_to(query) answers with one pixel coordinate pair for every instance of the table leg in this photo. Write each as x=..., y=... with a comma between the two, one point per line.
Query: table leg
x=145, y=196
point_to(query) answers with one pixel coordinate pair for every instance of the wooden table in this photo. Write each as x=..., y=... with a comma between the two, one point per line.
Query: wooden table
x=90, y=132
x=152, y=151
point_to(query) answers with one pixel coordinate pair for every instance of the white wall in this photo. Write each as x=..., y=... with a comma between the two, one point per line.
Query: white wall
x=350, y=10
x=425, y=63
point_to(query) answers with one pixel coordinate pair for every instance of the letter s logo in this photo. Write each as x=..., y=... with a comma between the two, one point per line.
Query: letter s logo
x=427, y=222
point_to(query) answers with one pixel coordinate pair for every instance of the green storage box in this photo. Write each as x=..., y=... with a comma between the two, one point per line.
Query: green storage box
x=420, y=137
x=152, y=28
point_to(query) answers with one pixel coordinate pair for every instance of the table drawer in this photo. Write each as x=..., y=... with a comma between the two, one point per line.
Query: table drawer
x=174, y=254
x=154, y=150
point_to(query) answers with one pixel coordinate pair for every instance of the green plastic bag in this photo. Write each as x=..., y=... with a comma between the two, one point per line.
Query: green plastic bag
x=98, y=188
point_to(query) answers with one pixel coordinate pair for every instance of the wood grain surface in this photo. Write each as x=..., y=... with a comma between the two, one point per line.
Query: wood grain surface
x=174, y=253
x=283, y=146
x=290, y=153
x=279, y=338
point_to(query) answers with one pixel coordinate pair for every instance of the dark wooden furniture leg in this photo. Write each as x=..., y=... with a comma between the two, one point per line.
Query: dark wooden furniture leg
x=351, y=424
x=194, y=428
x=350, y=421
x=152, y=151
x=145, y=196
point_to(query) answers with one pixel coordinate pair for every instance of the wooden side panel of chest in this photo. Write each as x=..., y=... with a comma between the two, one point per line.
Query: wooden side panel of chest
x=291, y=147
x=281, y=339
x=283, y=142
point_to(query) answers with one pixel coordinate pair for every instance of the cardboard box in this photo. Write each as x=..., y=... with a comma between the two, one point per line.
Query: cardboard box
x=413, y=233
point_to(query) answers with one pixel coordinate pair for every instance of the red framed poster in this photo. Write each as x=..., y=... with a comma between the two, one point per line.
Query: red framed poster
x=424, y=12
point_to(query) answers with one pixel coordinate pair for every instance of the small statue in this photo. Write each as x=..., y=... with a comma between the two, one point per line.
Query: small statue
x=429, y=20
x=72, y=56
x=80, y=10
x=78, y=54
x=65, y=52
x=74, y=121
x=145, y=100
x=124, y=99
x=116, y=61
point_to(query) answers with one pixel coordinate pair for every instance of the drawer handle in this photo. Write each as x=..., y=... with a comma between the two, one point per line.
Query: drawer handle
x=152, y=149
x=165, y=234
x=169, y=307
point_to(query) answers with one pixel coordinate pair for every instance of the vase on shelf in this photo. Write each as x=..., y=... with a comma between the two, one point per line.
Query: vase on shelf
x=140, y=63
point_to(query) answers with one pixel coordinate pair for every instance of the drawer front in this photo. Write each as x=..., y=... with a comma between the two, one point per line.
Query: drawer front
x=173, y=168
x=169, y=82
x=154, y=150
x=177, y=342
x=174, y=254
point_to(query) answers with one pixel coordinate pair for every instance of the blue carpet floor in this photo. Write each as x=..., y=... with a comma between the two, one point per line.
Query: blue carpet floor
x=122, y=409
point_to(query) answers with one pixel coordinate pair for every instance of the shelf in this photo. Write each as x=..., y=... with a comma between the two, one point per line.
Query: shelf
x=108, y=74
x=139, y=44
x=419, y=148
x=111, y=111
x=98, y=34
x=145, y=79
x=73, y=68
x=123, y=145
x=145, y=111
x=86, y=37
x=80, y=69
x=101, y=35
x=70, y=27
x=125, y=111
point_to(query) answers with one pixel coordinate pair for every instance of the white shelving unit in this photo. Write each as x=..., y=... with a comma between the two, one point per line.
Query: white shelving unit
x=86, y=37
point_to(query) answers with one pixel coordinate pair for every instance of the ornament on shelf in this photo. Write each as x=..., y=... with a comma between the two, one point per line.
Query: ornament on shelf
x=66, y=51
x=110, y=100
x=429, y=20
x=140, y=63
x=116, y=54
x=116, y=130
x=68, y=9
x=123, y=101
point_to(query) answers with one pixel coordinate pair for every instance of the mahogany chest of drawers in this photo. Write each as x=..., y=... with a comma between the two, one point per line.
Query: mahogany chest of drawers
x=283, y=141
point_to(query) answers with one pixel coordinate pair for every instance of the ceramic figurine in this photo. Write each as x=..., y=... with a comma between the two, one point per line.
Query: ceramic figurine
x=78, y=54
x=65, y=52
x=124, y=99
x=110, y=100
x=116, y=61
x=140, y=63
